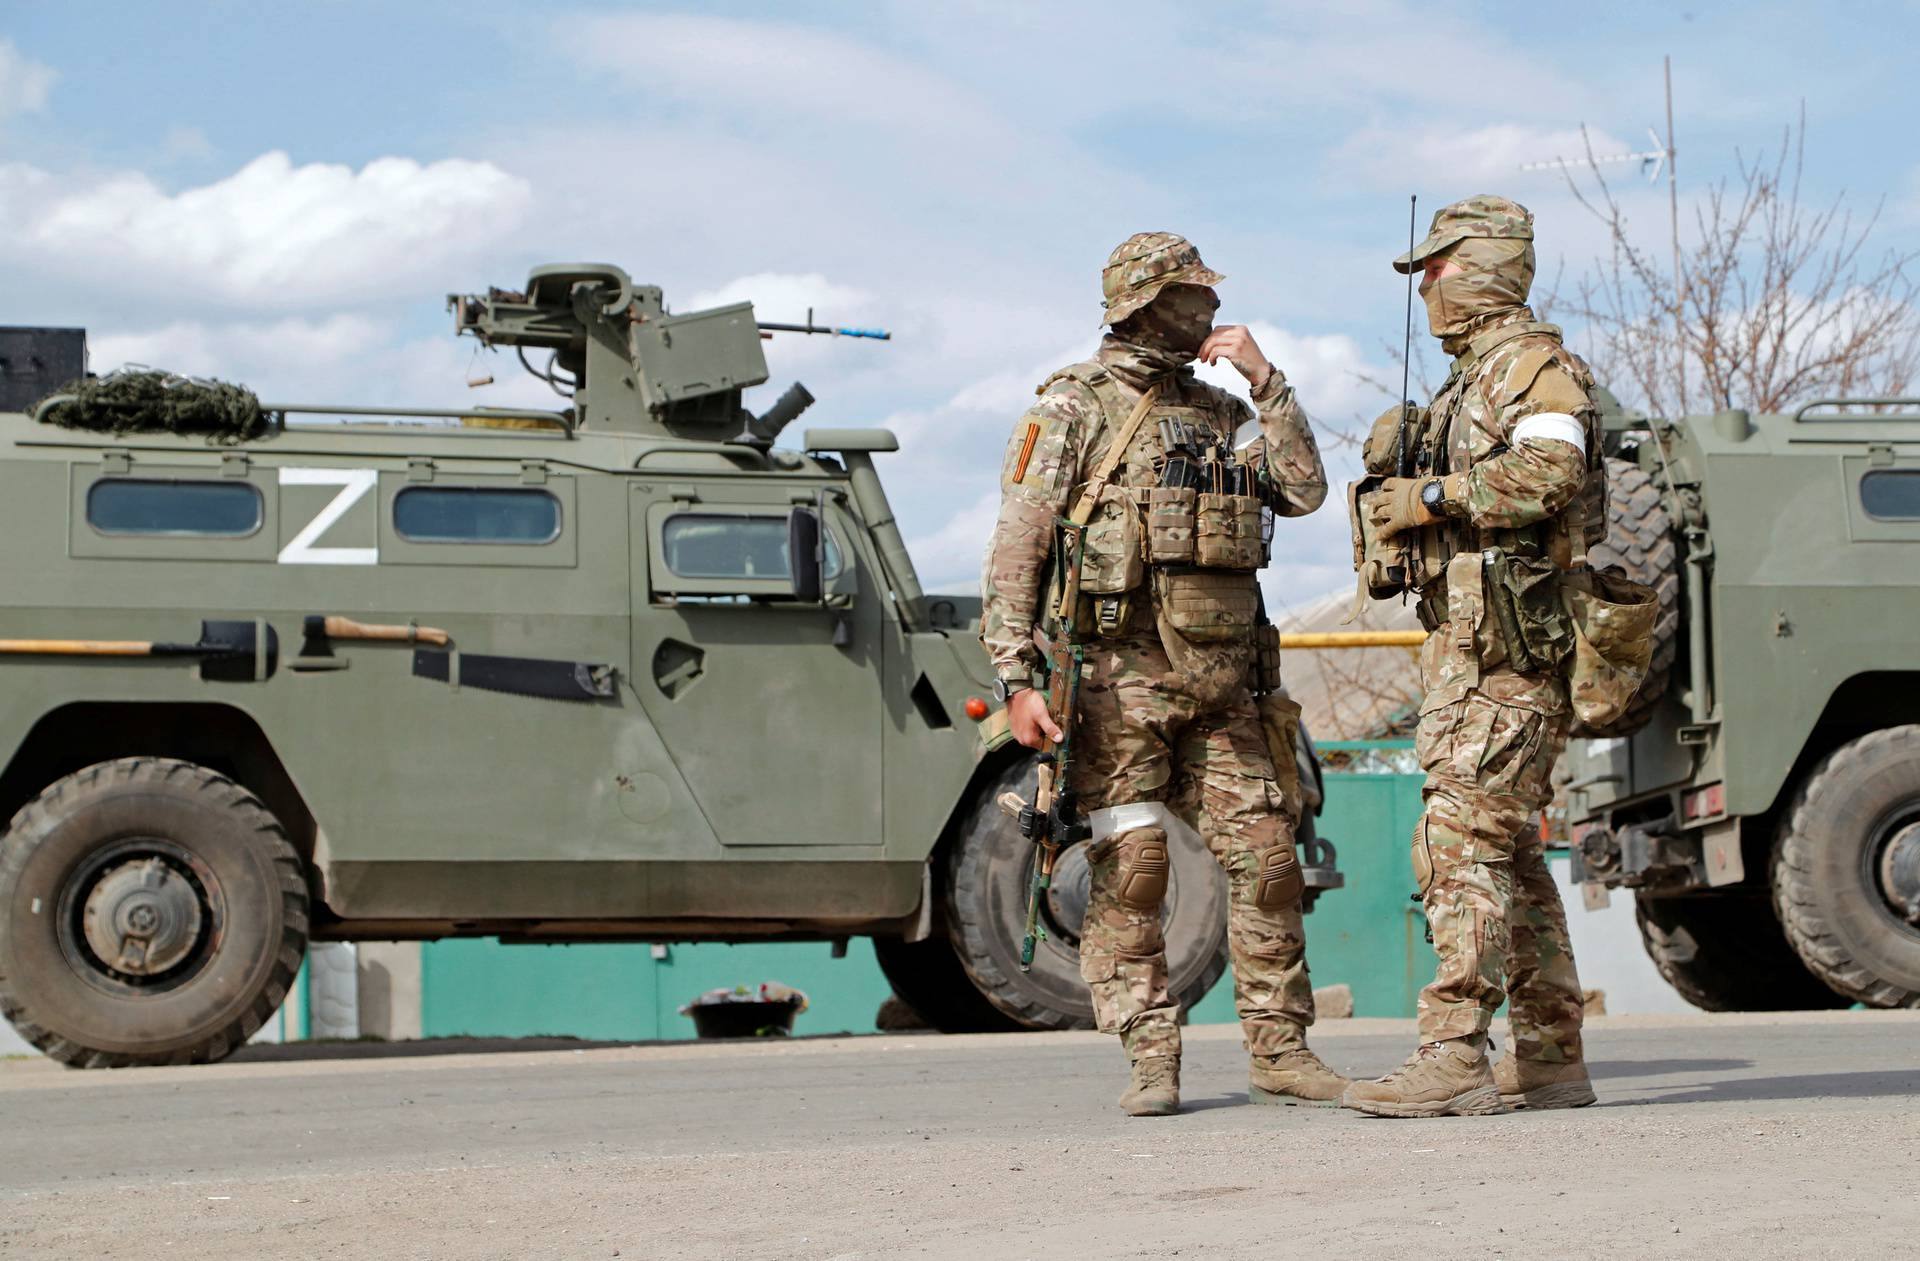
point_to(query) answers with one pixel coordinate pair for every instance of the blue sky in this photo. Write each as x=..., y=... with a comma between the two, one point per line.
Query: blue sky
x=284, y=195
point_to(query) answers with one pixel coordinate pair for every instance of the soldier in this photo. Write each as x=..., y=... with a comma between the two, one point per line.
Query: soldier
x=1510, y=492
x=1167, y=723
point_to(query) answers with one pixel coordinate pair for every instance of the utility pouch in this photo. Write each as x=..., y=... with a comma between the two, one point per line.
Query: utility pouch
x=1524, y=596
x=1266, y=658
x=1612, y=620
x=1280, y=724
x=1381, y=564
x=1206, y=606
x=1228, y=532
x=1170, y=525
x=1112, y=555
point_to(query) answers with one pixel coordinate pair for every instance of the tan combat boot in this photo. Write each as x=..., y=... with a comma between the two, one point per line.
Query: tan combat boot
x=1155, y=1088
x=1542, y=1084
x=1295, y=1076
x=1440, y=1079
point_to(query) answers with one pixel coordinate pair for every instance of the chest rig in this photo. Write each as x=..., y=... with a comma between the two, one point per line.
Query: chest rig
x=1462, y=427
x=1177, y=517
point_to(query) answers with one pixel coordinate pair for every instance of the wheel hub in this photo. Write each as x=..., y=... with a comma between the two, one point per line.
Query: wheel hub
x=1071, y=890
x=142, y=917
x=1900, y=873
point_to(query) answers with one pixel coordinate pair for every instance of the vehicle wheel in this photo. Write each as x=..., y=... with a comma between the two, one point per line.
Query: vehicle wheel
x=927, y=976
x=987, y=910
x=1846, y=869
x=151, y=912
x=1727, y=953
x=1640, y=540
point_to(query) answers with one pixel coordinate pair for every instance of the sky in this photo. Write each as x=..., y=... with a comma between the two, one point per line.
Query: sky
x=283, y=195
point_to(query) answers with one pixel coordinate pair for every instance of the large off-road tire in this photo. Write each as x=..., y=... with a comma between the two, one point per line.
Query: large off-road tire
x=927, y=976
x=1640, y=539
x=151, y=912
x=1727, y=953
x=986, y=909
x=1846, y=869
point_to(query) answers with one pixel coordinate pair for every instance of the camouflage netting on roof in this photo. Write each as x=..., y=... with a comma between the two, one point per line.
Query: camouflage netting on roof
x=140, y=400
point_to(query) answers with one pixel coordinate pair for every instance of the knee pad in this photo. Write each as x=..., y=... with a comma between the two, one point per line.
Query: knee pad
x=1143, y=864
x=1278, y=883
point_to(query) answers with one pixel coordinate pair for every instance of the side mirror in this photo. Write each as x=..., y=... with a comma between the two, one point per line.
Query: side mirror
x=803, y=555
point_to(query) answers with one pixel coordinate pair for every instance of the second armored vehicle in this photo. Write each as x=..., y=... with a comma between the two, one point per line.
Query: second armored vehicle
x=1762, y=803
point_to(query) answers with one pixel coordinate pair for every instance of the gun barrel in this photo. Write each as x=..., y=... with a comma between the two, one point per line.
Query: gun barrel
x=877, y=334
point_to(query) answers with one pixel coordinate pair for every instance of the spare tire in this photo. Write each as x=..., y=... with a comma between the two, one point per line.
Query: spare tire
x=1640, y=539
x=986, y=902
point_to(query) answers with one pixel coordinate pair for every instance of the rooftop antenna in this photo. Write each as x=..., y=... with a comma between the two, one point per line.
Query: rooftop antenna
x=1652, y=162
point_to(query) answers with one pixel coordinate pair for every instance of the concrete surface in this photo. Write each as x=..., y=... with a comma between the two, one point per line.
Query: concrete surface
x=1747, y=1136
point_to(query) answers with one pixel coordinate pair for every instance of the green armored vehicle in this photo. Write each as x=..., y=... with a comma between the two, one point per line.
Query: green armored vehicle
x=622, y=671
x=1762, y=801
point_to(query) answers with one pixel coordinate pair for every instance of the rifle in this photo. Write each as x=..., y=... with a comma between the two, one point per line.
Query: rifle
x=1053, y=821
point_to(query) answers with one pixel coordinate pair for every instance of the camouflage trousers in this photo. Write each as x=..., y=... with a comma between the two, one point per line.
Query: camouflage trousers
x=1488, y=751
x=1143, y=737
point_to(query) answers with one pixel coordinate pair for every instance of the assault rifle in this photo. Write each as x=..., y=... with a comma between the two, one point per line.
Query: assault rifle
x=1053, y=821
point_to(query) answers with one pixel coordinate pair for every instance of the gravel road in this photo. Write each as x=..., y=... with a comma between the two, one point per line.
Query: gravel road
x=1737, y=1136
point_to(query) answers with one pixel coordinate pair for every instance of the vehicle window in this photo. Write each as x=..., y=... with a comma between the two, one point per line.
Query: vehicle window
x=475, y=514
x=223, y=510
x=713, y=545
x=1891, y=494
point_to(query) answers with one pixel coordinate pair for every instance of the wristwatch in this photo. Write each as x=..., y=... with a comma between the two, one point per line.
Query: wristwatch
x=1007, y=684
x=1433, y=497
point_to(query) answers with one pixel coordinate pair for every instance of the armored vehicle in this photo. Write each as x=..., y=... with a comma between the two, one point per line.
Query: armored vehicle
x=1762, y=800
x=620, y=671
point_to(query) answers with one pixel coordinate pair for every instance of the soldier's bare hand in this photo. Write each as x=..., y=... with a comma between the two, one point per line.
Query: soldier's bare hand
x=1028, y=719
x=1235, y=344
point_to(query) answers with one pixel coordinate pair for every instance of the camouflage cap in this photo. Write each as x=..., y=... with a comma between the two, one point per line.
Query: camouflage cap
x=1143, y=265
x=1484, y=215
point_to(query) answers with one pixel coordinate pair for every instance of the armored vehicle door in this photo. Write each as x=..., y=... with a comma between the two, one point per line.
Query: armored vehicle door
x=771, y=707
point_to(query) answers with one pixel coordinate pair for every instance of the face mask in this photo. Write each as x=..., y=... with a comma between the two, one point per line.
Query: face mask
x=1497, y=276
x=1178, y=319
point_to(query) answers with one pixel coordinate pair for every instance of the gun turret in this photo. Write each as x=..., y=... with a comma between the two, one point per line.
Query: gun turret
x=628, y=363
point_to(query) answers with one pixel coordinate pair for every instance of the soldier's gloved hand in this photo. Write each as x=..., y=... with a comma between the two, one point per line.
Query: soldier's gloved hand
x=1028, y=719
x=1396, y=506
x=1382, y=446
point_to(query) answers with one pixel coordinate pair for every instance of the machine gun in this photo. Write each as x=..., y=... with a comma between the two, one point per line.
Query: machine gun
x=624, y=362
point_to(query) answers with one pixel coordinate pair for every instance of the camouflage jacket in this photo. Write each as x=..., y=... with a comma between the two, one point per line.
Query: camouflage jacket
x=1058, y=441
x=1532, y=495
x=1510, y=370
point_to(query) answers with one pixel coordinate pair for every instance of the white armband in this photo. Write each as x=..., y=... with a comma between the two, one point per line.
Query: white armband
x=1556, y=425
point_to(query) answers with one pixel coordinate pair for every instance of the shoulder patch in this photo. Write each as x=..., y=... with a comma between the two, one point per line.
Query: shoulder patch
x=1555, y=389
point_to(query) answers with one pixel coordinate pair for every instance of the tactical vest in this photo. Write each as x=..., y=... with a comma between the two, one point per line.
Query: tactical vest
x=1462, y=428
x=1196, y=547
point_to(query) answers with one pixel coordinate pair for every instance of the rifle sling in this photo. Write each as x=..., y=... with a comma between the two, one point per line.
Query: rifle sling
x=1096, y=487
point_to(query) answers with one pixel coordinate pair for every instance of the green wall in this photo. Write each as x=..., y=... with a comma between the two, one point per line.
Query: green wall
x=1368, y=935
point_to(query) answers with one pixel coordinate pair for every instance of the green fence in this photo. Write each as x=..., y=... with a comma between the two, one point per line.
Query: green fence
x=1368, y=935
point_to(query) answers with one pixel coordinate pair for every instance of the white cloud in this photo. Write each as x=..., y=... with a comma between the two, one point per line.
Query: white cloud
x=948, y=558
x=24, y=83
x=272, y=233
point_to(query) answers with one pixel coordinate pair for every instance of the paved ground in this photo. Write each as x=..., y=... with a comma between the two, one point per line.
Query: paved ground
x=1747, y=1137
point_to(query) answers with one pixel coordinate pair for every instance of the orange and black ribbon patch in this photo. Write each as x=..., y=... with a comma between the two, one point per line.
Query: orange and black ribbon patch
x=1026, y=451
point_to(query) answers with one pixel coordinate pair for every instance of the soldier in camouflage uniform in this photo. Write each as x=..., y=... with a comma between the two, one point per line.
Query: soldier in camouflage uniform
x=1511, y=485
x=1167, y=722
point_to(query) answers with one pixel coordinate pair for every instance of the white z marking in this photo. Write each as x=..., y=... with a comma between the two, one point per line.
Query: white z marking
x=354, y=483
